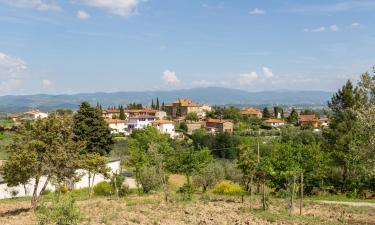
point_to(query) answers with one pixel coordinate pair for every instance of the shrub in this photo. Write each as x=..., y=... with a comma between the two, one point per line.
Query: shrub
x=117, y=182
x=103, y=189
x=227, y=188
x=186, y=191
x=149, y=179
x=63, y=189
x=46, y=192
x=62, y=211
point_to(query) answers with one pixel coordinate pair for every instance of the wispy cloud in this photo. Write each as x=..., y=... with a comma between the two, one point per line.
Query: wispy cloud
x=355, y=25
x=170, y=78
x=124, y=8
x=336, y=7
x=83, y=15
x=257, y=11
x=46, y=83
x=41, y=5
x=12, y=71
x=319, y=29
x=334, y=28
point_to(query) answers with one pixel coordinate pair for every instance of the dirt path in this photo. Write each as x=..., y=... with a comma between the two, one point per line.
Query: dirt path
x=369, y=204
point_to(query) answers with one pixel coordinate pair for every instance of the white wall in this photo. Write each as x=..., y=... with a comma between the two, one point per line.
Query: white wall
x=6, y=192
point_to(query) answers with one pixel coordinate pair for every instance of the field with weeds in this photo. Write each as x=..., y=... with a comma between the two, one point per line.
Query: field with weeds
x=203, y=209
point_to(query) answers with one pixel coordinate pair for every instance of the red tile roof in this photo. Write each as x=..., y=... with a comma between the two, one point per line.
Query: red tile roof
x=308, y=118
x=158, y=122
x=111, y=121
x=211, y=120
x=274, y=121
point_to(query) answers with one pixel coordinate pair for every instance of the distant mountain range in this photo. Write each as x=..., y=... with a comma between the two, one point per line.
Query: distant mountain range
x=209, y=95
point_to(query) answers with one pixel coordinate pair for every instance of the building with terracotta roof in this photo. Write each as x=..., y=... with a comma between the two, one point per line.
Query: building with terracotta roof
x=111, y=113
x=251, y=112
x=30, y=115
x=219, y=125
x=274, y=122
x=118, y=126
x=165, y=126
x=182, y=107
x=313, y=120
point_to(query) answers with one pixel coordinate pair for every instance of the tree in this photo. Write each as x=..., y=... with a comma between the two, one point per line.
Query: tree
x=152, y=104
x=122, y=113
x=341, y=135
x=89, y=126
x=157, y=106
x=209, y=176
x=266, y=113
x=94, y=164
x=47, y=151
x=192, y=116
x=183, y=126
x=293, y=117
x=278, y=112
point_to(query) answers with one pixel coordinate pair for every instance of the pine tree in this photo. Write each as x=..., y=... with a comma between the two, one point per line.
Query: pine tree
x=293, y=117
x=157, y=103
x=266, y=113
x=122, y=113
x=152, y=104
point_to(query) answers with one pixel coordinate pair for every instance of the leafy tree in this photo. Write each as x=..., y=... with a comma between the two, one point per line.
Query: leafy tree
x=226, y=145
x=201, y=139
x=293, y=117
x=122, y=115
x=341, y=135
x=45, y=148
x=94, y=164
x=209, y=176
x=192, y=116
x=266, y=113
x=89, y=126
x=183, y=126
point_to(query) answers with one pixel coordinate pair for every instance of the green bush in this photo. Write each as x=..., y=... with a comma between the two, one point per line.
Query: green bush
x=62, y=211
x=103, y=189
x=227, y=188
x=186, y=191
x=149, y=179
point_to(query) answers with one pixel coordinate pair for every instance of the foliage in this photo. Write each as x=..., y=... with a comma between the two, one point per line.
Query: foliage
x=192, y=116
x=182, y=126
x=149, y=179
x=122, y=115
x=278, y=112
x=209, y=176
x=103, y=189
x=186, y=191
x=226, y=145
x=89, y=126
x=293, y=117
x=228, y=188
x=44, y=148
x=266, y=113
x=62, y=211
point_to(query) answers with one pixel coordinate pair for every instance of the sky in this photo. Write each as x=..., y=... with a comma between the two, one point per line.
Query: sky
x=76, y=46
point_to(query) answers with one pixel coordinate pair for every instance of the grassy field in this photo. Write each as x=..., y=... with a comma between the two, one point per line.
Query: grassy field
x=205, y=208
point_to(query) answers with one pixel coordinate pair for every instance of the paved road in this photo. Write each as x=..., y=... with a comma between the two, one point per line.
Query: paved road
x=369, y=204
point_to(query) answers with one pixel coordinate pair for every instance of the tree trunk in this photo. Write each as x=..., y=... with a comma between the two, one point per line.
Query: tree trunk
x=264, y=196
x=292, y=196
x=92, y=184
x=251, y=192
x=115, y=183
x=89, y=174
x=25, y=189
x=301, y=199
x=34, y=202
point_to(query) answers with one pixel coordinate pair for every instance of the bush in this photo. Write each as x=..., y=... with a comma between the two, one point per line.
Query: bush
x=186, y=191
x=63, y=189
x=103, y=189
x=228, y=188
x=62, y=211
x=149, y=179
x=117, y=182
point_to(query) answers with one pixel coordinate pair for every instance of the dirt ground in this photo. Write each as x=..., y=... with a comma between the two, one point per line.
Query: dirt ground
x=207, y=210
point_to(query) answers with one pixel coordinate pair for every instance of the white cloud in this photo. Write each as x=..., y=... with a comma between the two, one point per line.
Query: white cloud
x=355, y=25
x=257, y=11
x=267, y=72
x=319, y=29
x=170, y=77
x=123, y=8
x=247, y=78
x=334, y=28
x=83, y=15
x=12, y=71
x=41, y=5
x=46, y=83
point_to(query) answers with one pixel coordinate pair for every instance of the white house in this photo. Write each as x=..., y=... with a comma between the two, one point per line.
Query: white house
x=139, y=122
x=21, y=191
x=165, y=126
x=274, y=122
x=31, y=115
x=118, y=126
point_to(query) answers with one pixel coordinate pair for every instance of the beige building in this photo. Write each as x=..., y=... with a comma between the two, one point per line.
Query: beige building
x=219, y=125
x=251, y=112
x=182, y=107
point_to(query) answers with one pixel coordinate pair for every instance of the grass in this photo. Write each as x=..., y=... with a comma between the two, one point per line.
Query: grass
x=338, y=197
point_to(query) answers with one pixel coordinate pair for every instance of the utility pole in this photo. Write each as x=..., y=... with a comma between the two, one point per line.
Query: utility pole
x=301, y=199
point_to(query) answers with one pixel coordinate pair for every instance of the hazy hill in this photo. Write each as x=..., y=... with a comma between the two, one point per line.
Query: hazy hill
x=210, y=95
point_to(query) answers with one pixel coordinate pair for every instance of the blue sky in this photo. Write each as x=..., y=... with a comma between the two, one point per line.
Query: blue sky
x=71, y=46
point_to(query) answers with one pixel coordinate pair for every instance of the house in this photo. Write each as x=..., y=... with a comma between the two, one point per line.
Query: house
x=251, y=112
x=193, y=126
x=111, y=113
x=309, y=120
x=139, y=122
x=118, y=126
x=274, y=122
x=27, y=190
x=31, y=115
x=219, y=125
x=323, y=122
x=182, y=107
x=165, y=126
